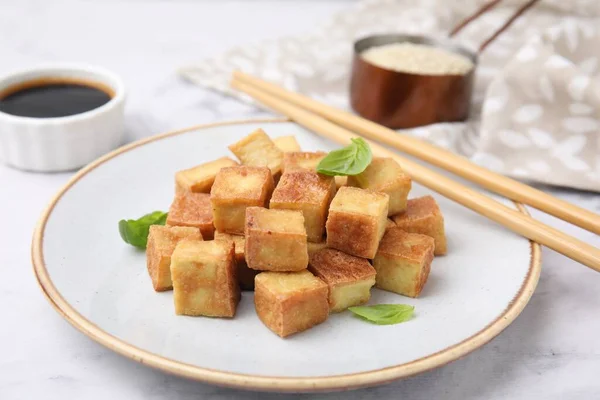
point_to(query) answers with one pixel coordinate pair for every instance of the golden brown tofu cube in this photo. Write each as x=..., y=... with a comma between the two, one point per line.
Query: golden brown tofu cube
x=204, y=278
x=423, y=216
x=385, y=175
x=308, y=192
x=349, y=278
x=357, y=221
x=314, y=247
x=200, y=179
x=340, y=181
x=258, y=150
x=235, y=189
x=245, y=275
x=192, y=209
x=309, y=161
x=287, y=144
x=161, y=243
x=238, y=241
x=403, y=262
x=275, y=240
x=390, y=223
x=302, y=160
x=290, y=302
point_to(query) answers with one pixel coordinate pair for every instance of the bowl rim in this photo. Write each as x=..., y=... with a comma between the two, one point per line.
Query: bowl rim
x=22, y=75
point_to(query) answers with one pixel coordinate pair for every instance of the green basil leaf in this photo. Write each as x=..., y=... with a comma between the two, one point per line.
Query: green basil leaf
x=135, y=231
x=384, y=314
x=350, y=160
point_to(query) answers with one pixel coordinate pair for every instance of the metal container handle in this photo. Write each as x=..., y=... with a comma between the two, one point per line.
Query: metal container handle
x=482, y=10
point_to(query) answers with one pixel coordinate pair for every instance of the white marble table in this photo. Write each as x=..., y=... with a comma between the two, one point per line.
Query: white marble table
x=551, y=351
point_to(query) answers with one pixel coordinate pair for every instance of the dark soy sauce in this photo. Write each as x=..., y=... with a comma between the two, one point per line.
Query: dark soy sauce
x=53, y=97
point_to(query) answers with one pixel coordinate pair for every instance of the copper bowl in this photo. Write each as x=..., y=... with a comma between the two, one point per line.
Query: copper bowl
x=404, y=100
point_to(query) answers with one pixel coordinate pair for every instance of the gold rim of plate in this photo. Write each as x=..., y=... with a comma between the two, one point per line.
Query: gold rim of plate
x=259, y=382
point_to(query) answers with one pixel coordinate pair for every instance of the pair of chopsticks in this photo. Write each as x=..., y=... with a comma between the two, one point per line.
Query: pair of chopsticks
x=341, y=126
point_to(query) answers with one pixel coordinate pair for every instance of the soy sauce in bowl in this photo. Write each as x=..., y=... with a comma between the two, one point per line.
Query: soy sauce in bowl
x=53, y=97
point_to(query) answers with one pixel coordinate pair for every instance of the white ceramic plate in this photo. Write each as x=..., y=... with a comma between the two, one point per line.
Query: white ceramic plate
x=100, y=284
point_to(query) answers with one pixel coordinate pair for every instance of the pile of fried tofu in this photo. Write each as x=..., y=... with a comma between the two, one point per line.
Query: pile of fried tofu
x=307, y=244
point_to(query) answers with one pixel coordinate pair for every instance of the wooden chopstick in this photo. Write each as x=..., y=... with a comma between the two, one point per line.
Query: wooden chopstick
x=512, y=219
x=436, y=156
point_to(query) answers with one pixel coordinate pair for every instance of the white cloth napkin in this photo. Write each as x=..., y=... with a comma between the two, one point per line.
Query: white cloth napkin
x=536, y=106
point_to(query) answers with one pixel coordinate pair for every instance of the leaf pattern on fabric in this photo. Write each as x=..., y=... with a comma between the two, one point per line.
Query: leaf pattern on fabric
x=580, y=124
x=554, y=100
x=528, y=113
x=578, y=86
x=526, y=54
x=541, y=138
x=513, y=139
x=580, y=109
x=571, y=145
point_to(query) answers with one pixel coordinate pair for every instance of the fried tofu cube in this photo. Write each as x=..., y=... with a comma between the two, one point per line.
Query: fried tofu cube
x=302, y=160
x=349, y=278
x=192, y=209
x=204, y=278
x=340, y=181
x=308, y=192
x=423, y=216
x=290, y=302
x=200, y=179
x=403, y=262
x=245, y=275
x=357, y=221
x=258, y=150
x=161, y=243
x=238, y=242
x=390, y=223
x=234, y=190
x=309, y=161
x=287, y=144
x=314, y=247
x=385, y=175
x=275, y=240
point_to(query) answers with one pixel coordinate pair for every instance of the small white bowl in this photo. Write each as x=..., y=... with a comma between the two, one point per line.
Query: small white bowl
x=62, y=143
